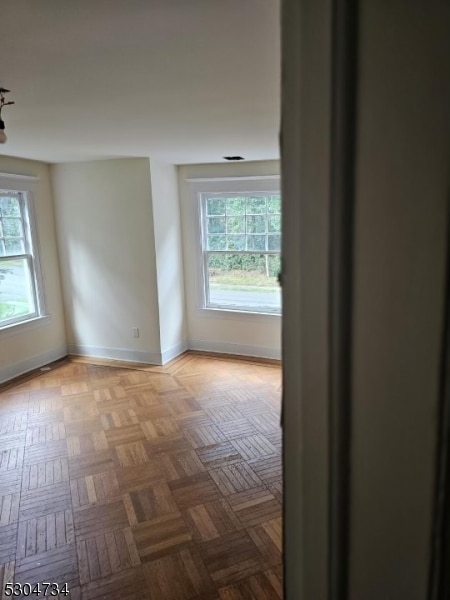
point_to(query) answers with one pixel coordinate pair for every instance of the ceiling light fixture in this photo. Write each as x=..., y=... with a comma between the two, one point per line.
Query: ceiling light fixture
x=234, y=158
x=3, y=137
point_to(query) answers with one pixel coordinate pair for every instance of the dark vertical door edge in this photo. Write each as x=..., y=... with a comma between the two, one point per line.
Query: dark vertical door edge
x=439, y=575
x=342, y=209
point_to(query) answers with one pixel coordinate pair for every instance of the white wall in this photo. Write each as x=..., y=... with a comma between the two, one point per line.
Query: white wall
x=107, y=255
x=220, y=331
x=28, y=346
x=169, y=259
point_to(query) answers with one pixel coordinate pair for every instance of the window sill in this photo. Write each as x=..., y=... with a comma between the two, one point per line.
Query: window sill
x=24, y=326
x=223, y=313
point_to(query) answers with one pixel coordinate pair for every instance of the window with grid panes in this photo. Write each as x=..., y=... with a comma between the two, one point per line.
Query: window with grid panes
x=241, y=241
x=19, y=293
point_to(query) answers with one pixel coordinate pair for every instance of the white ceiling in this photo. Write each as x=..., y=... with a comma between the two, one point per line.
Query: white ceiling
x=180, y=80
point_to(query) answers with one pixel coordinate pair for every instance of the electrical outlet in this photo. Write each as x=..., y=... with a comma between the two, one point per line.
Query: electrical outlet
x=135, y=332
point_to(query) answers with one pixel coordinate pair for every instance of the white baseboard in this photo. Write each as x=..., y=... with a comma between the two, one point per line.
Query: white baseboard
x=31, y=363
x=124, y=354
x=173, y=352
x=152, y=358
x=239, y=349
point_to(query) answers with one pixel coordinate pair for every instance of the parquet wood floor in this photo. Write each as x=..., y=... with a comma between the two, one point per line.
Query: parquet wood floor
x=144, y=483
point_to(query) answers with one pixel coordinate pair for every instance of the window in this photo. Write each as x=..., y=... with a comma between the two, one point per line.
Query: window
x=241, y=243
x=19, y=289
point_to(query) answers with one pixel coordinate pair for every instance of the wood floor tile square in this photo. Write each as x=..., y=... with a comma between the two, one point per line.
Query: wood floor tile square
x=177, y=465
x=78, y=387
x=224, y=413
x=45, y=404
x=254, y=446
x=130, y=455
x=140, y=476
x=269, y=469
x=119, y=418
x=231, y=557
x=124, y=435
x=200, y=437
x=14, y=423
x=255, y=506
x=105, y=554
x=86, y=426
x=265, y=422
x=276, y=439
x=47, y=393
x=193, y=490
x=180, y=405
x=219, y=455
x=90, y=464
x=159, y=446
x=44, y=452
x=180, y=576
x=10, y=481
x=163, y=427
x=45, y=533
x=86, y=443
x=235, y=478
x=149, y=503
x=161, y=537
x=58, y=565
x=45, y=433
x=11, y=459
x=237, y=429
x=91, y=521
x=263, y=586
x=44, y=501
x=9, y=508
x=93, y=489
x=195, y=419
x=211, y=520
x=84, y=409
x=12, y=440
x=45, y=418
x=8, y=543
x=125, y=585
x=268, y=539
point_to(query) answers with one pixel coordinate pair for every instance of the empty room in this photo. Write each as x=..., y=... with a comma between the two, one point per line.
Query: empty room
x=140, y=301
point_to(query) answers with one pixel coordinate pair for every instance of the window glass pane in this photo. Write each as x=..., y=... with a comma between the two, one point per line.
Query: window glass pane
x=217, y=242
x=235, y=242
x=274, y=242
x=14, y=246
x=236, y=225
x=274, y=223
x=16, y=292
x=256, y=242
x=235, y=206
x=256, y=224
x=9, y=207
x=216, y=225
x=246, y=281
x=274, y=204
x=215, y=206
x=256, y=205
x=12, y=227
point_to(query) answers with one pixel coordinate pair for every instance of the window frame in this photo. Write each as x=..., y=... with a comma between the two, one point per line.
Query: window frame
x=23, y=187
x=234, y=186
